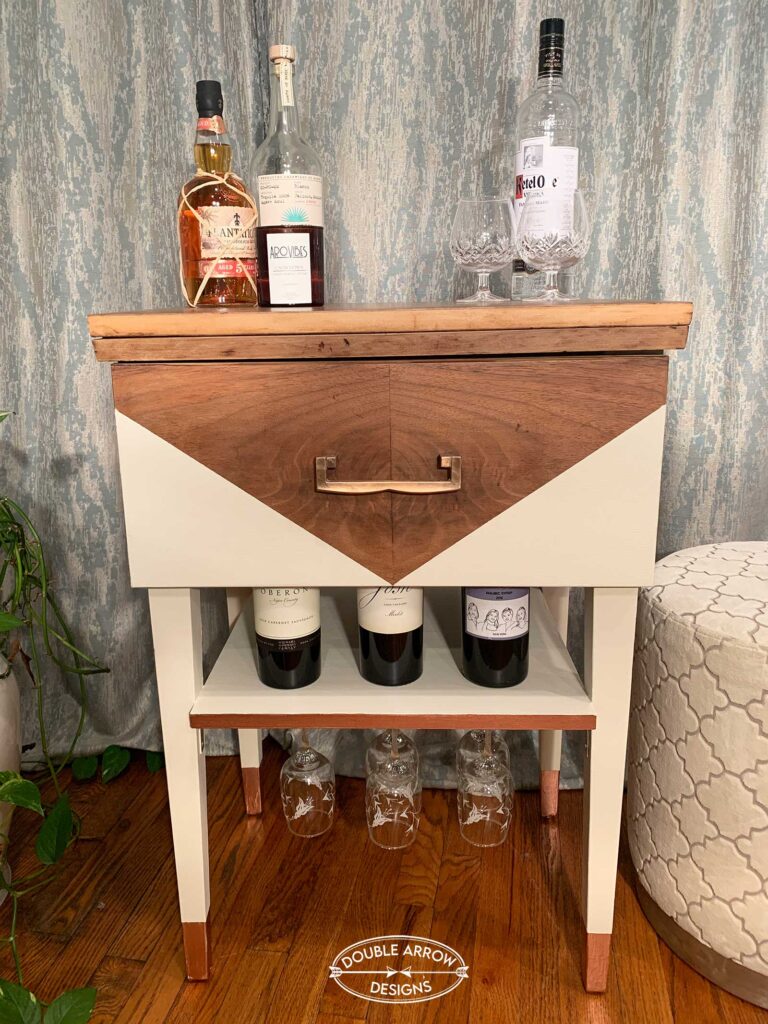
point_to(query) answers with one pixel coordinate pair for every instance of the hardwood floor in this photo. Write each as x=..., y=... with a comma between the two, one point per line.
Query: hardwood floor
x=283, y=907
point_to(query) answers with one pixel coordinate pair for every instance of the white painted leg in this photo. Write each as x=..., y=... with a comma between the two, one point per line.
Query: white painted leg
x=248, y=740
x=177, y=636
x=551, y=741
x=609, y=632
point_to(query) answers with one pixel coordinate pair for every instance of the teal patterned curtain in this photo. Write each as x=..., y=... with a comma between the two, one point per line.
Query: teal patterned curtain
x=409, y=102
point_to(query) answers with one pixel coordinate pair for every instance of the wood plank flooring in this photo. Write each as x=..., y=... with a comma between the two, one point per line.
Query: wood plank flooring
x=282, y=908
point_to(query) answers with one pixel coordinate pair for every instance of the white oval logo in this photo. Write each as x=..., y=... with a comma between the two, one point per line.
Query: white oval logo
x=398, y=969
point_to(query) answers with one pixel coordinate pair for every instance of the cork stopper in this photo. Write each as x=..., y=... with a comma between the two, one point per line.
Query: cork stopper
x=282, y=51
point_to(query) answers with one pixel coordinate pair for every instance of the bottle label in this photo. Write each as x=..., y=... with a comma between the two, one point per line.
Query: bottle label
x=226, y=268
x=390, y=609
x=551, y=58
x=546, y=176
x=288, y=265
x=227, y=231
x=213, y=124
x=295, y=199
x=286, y=613
x=496, y=613
x=284, y=72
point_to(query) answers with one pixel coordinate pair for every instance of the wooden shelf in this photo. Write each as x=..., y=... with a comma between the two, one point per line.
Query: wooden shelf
x=552, y=697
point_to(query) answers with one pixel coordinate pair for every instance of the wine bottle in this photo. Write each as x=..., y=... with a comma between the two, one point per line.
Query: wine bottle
x=287, y=635
x=547, y=157
x=391, y=634
x=289, y=182
x=495, y=640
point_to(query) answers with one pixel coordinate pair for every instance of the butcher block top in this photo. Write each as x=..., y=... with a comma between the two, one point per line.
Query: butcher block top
x=344, y=332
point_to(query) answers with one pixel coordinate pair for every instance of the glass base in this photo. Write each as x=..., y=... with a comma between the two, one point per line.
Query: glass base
x=552, y=297
x=483, y=297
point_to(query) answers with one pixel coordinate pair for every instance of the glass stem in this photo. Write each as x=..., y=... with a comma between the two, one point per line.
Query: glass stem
x=550, y=284
x=393, y=743
x=487, y=739
x=303, y=741
x=483, y=281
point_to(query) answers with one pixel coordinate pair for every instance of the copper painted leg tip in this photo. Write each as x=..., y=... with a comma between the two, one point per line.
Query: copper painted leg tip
x=252, y=790
x=197, y=949
x=597, y=955
x=549, y=785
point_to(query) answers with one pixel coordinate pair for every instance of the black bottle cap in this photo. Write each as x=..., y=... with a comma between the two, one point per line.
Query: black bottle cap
x=209, y=100
x=552, y=27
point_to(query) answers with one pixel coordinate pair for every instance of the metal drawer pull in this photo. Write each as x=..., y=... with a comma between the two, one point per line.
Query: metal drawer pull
x=450, y=462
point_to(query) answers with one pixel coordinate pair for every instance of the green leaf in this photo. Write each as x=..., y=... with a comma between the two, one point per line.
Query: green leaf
x=114, y=761
x=74, y=1007
x=85, y=767
x=4, y=415
x=19, y=792
x=55, y=833
x=9, y=622
x=17, y=1005
x=155, y=760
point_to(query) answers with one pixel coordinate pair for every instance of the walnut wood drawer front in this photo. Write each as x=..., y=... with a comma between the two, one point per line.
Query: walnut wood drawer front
x=560, y=461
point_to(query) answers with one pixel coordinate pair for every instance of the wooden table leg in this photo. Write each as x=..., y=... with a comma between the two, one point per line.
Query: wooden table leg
x=551, y=741
x=249, y=740
x=177, y=637
x=609, y=632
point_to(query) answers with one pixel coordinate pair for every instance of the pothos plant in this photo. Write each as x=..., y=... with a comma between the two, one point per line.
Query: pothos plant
x=33, y=632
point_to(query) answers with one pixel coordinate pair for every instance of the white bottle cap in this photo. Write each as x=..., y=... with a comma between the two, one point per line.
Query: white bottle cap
x=282, y=51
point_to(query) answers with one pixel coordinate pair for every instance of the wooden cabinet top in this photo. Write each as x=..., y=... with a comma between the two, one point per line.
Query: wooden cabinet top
x=388, y=331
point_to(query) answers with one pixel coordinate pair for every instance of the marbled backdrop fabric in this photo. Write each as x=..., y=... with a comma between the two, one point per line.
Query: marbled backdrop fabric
x=410, y=103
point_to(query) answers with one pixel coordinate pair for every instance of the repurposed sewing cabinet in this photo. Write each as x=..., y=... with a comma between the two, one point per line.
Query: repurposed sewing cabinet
x=551, y=419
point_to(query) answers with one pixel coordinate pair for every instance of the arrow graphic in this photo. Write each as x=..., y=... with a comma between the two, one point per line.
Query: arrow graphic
x=337, y=972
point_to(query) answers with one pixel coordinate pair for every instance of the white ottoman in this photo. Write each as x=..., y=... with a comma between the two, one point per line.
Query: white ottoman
x=697, y=804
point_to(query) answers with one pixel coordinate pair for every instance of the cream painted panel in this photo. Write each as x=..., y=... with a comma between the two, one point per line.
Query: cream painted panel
x=187, y=526
x=593, y=525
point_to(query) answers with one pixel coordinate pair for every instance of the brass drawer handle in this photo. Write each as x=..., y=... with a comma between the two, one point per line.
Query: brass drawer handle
x=450, y=462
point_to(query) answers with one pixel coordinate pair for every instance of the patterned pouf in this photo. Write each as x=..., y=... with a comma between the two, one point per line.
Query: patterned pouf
x=697, y=804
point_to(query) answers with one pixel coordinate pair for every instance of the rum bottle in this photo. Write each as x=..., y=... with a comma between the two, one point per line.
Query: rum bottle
x=217, y=216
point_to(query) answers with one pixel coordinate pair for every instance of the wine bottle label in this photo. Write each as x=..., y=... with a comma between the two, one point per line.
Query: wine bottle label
x=286, y=613
x=546, y=176
x=390, y=609
x=289, y=269
x=294, y=199
x=297, y=643
x=496, y=613
x=227, y=231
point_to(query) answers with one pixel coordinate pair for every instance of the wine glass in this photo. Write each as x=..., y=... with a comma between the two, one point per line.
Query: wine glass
x=552, y=235
x=483, y=240
x=471, y=746
x=392, y=790
x=484, y=797
x=308, y=790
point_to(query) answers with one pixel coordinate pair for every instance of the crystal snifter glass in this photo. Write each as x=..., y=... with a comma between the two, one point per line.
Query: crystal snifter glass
x=483, y=241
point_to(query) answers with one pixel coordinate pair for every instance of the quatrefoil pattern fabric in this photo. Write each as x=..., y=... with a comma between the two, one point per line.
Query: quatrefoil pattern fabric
x=697, y=801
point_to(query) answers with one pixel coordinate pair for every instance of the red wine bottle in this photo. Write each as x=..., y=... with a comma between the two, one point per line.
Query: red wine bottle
x=495, y=635
x=287, y=636
x=391, y=634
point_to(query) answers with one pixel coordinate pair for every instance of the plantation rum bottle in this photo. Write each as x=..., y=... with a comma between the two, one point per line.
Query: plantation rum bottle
x=217, y=216
x=289, y=185
x=547, y=158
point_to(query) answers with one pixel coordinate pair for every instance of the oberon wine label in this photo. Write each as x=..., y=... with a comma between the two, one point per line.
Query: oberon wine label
x=284, y=613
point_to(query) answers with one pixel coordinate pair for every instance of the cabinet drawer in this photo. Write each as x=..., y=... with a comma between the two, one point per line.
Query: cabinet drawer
x=552, y=450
